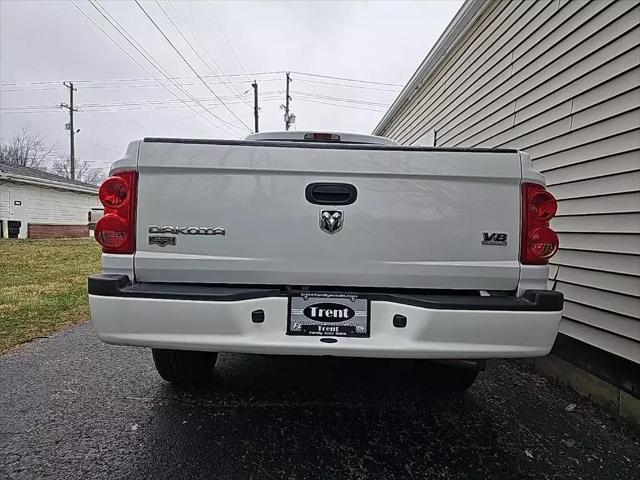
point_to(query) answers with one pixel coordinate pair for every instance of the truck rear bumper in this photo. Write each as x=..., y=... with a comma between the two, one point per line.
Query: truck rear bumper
x=220, y=319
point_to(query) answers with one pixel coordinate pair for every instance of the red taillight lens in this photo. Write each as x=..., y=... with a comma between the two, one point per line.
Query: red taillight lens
x=543, y=243
x=112, y=231
x=542, y=205
x=116, y=230
x=539, y=242
x=114, y=192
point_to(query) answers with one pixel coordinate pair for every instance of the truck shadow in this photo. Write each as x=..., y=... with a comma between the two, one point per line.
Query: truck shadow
x=306, y=417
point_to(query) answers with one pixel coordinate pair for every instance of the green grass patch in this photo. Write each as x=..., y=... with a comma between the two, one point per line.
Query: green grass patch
x=43, y=286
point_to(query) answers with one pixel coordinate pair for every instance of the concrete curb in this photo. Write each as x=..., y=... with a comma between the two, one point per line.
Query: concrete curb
x=618, y=402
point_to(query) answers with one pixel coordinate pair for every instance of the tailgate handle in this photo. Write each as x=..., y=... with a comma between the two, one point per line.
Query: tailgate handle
x=331, y=193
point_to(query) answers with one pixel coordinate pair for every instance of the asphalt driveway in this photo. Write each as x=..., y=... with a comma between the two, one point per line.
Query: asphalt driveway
x=72, y=407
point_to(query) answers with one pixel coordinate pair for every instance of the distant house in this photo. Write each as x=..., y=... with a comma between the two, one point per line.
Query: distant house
x=37, y=204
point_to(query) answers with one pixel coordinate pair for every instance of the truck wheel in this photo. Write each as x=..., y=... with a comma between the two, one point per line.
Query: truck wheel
x=184, y=367
x=447, y=378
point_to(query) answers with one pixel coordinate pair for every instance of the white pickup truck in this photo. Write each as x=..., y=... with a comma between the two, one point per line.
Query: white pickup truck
x=302, y=243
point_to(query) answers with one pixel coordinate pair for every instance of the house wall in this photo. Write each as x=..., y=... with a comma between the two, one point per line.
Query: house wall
x=4, y=208
x=561, y=80
x=48, y=206
x=50, y=212
x=4, y=201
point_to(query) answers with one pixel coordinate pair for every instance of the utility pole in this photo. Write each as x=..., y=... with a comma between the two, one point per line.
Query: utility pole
x=72, y=132
x=287, y=119
x=255, y=105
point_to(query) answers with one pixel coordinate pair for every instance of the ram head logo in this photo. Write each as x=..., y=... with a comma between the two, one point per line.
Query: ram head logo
x=331, y=221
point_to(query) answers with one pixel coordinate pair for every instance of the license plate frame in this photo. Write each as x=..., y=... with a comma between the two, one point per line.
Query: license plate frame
x=299, y=324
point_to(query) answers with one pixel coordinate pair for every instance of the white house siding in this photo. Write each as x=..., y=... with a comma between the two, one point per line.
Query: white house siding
x=4, y=201
x=49, y=206
x=561, y=80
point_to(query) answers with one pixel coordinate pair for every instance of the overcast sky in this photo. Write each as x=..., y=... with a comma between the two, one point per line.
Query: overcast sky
x=43, y=43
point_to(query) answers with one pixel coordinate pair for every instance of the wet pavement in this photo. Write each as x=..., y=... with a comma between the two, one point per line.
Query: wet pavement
x=72, y=407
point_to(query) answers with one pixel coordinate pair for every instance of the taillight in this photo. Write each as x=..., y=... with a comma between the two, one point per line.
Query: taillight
x=114, y=192
x=539, y=242
x=115, y=231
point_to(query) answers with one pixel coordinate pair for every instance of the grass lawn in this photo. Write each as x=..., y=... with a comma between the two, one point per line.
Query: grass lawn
x=43, y=286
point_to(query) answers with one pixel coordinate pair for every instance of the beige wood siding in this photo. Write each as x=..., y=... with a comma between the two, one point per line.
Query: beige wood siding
x=561, y=80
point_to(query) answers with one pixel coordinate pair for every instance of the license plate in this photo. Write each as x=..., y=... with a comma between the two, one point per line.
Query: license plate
x=328, y=315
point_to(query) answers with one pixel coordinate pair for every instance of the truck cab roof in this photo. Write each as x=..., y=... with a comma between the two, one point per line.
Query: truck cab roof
x=323, y=137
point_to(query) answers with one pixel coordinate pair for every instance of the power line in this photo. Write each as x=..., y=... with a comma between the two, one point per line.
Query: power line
x=4, y=90
x=155, y=101
x=29, y=107
x=208, y=2
x=188, y=64
x=342, y=99
x=136, y=61
x=250, y=74
x=46, y=82
x=339, y=105
x=26, y=109
x=347, y=79
x=221, y=75
x=106, y=162
x=147, y=56
x=349, y=86
x=165, y=103
x=3, y=112
x=50, y=110
x=233, y=90
x=150, y=85
x=96, y=144
x=108, y=36
x=156, y=64
x=139, y=127
x=84, y=106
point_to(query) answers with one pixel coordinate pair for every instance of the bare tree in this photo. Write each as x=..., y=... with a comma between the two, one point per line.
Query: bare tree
x=27, y=149
x=84, y=171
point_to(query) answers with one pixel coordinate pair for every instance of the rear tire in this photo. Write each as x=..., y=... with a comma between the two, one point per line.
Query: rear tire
x=447, y=378
x=184, y=367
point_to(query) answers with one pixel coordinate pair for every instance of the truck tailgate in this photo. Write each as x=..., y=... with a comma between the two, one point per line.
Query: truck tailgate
x=419, y=220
